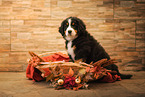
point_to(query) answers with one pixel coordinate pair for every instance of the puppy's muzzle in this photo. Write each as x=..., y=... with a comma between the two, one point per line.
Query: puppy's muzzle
x=70, y=31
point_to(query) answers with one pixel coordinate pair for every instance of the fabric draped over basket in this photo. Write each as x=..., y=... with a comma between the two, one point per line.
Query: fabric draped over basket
x=34, y=74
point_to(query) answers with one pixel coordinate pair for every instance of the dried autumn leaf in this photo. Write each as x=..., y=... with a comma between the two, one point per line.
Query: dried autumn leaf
x=56, y=79
x=91, y=63
x=68, y=88
x=35, y=55
x=92, y=69
x=96, y=76
x=100, y=62
x=57, y=68
x=85, y=80
x=88, y=77
x=54, y=71
x=79, y=77
x=71, y=72
x=65, y=75
x=79, y=86
x=49, y=77
x=87, y=69
x=59, y=75
x=82, y=71
x=109, y=62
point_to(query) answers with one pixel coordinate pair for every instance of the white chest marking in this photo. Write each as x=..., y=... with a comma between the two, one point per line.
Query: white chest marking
x=70, y=50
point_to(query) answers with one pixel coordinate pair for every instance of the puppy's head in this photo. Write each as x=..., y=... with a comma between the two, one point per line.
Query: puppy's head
x=71, y=28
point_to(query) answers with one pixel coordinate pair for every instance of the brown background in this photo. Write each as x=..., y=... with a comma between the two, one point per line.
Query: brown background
x=32, y=25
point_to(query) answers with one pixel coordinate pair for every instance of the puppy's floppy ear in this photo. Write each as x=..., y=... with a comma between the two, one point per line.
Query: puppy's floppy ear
x=81, y=26
x=61, y=29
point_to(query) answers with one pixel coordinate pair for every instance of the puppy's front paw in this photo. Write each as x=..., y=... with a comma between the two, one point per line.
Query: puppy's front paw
x=78, y=61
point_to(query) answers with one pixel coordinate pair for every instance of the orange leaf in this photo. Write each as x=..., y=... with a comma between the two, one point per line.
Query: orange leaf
x=71, y=72
x=87, y=69
x=56, y=79
x=92, y=69
x=97, y=76
x=79, y=86
x=65, y=75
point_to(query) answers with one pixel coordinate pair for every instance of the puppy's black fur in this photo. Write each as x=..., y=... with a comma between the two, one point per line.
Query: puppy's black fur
x=85, y=46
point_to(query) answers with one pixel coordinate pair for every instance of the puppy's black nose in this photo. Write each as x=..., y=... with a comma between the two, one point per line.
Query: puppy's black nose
x=69, y=31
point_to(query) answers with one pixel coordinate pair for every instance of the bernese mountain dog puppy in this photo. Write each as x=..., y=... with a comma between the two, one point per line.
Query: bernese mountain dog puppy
x=81, y=45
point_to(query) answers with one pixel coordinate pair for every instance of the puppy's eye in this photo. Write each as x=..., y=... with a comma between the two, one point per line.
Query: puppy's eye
x=73, y=23
x=66, y=23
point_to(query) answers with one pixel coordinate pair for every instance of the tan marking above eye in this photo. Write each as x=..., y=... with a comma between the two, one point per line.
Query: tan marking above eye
x=73, y=23
x=66, y=23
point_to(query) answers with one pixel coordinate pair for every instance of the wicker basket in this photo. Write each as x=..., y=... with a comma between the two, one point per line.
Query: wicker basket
x=62, y=64
x=54, y=71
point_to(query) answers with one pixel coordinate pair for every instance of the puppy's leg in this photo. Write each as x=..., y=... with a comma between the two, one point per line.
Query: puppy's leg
x=83, y=54
x=78, y=61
